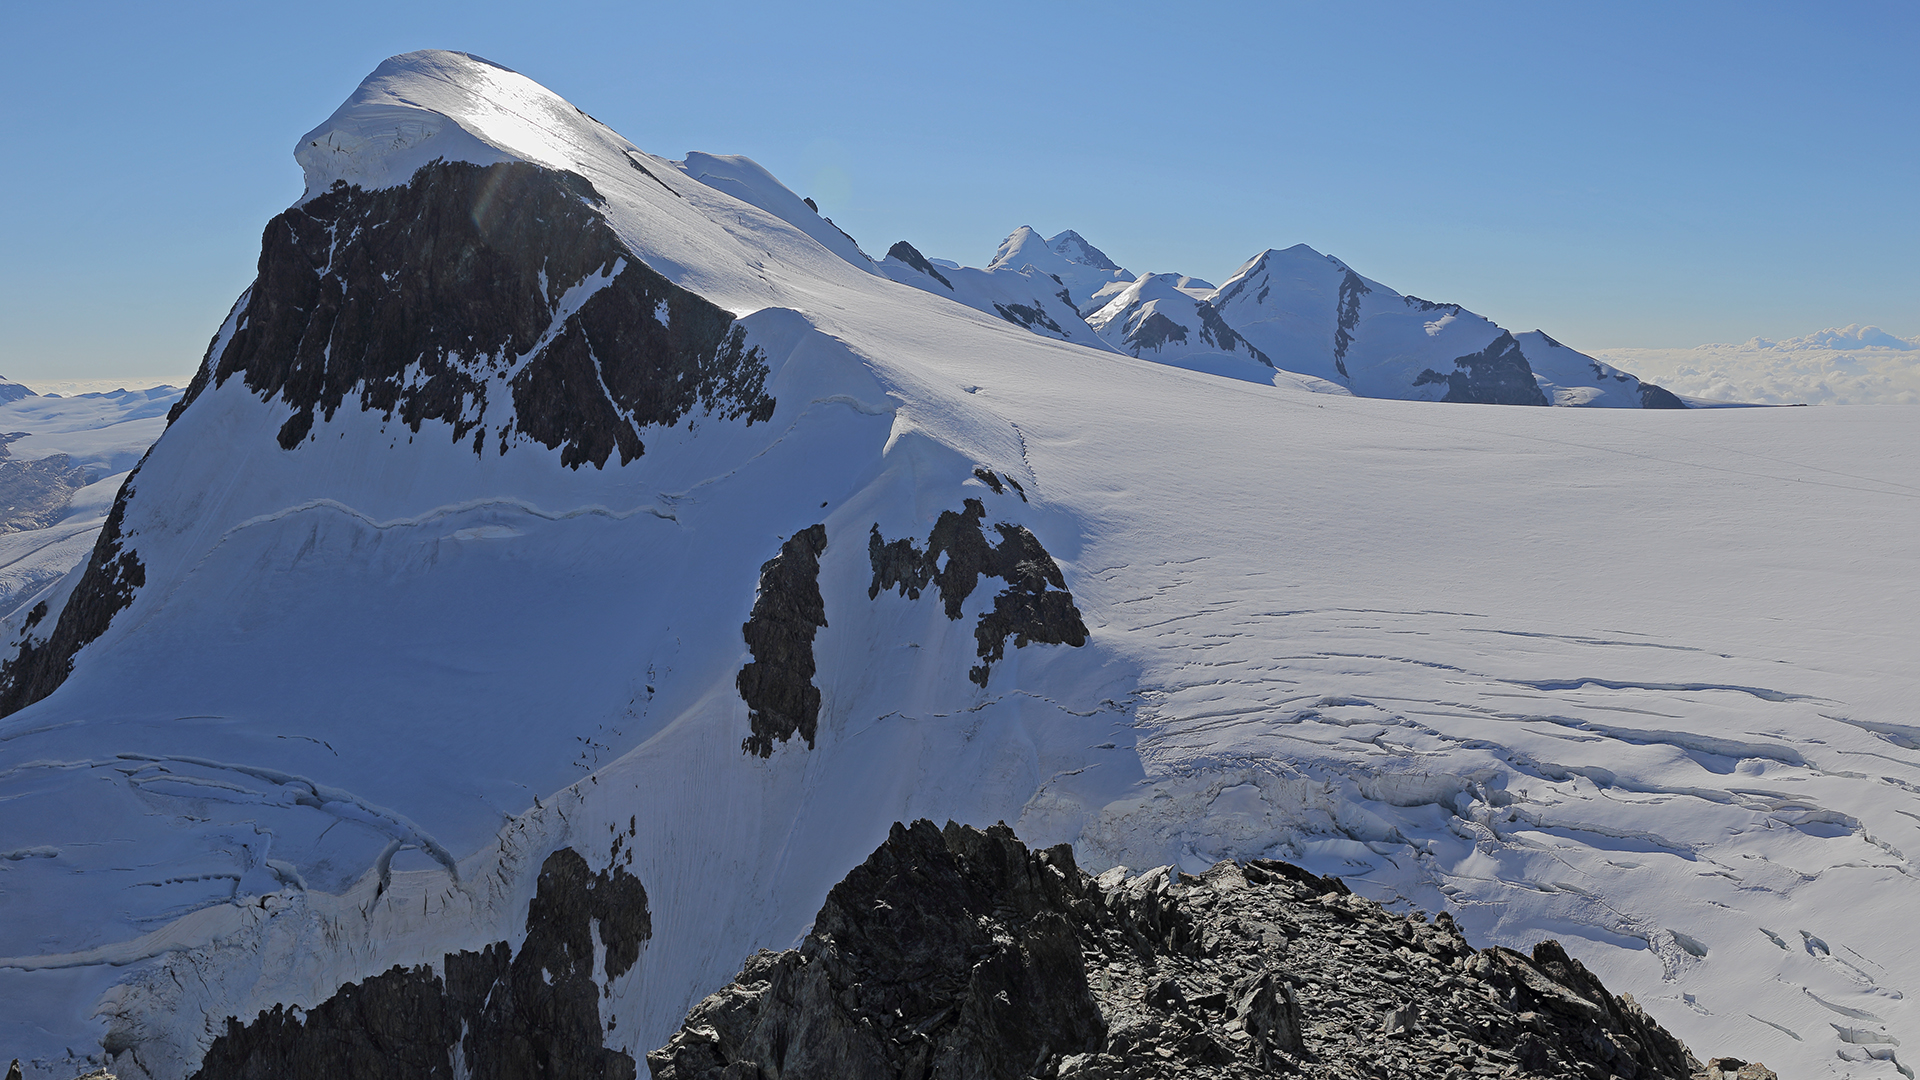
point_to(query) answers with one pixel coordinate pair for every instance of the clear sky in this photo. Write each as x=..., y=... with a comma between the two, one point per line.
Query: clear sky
x=1618, y=174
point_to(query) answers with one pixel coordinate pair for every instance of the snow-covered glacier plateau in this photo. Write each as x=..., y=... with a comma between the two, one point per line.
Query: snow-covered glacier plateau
x=545, y=496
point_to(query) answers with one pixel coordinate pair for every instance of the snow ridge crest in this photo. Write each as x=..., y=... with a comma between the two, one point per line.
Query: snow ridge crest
x=437, y=105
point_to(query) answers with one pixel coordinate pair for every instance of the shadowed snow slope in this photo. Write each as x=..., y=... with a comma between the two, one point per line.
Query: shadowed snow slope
x=372, y=633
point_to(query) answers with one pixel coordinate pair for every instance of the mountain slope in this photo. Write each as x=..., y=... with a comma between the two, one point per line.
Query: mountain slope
x=62, y=462
x=1314, y=315
x=1159, y=317
x=398, y=611
x=1081, y=268
x=744, y=179
x=1024, y=297
x=1334, y=330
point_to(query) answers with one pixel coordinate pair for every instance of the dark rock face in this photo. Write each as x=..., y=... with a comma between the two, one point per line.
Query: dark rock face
x=1352, y=288
x=1723, y=1067
x=1659, y=397
x=954, y=954
x=1425, y=306
x=1028, y=316
x=458, y=276
x=1154, y=332
x=114, y=573
x=1034, y=607
x=34, y=494
x=1496, y=375
x=777, y=684
x=1215, y=331
x=495, y=1015
x=961, y=953
x=408, y=302
x=910, y=255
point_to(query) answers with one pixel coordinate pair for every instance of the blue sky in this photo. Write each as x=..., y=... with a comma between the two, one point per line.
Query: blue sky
x=1619, y=174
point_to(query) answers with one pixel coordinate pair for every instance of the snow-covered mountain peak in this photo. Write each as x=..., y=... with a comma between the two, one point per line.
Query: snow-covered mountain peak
x=1073, y=247
x=1067, y=258
x=1297, y=256
x=1023, y=243
x=439, y=105
x=1143, y=290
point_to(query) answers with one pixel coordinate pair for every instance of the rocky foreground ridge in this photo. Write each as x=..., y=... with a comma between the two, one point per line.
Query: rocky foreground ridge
x=961, y=953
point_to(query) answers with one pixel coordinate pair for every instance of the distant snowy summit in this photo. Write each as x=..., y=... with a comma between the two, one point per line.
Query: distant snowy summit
x=1292, y=317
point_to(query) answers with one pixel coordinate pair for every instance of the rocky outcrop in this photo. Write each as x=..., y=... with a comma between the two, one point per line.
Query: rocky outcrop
x=1352, y=288
x=423, y=303
x=1028, y=316
x=910, y=255
x=962, y=953
x=34, y=494
x=114, y=573
x=1034, y=607
x=1659, y=397
x=412, y=300
x=777, y=684
x=1735, y=1069
x=1154, y=332
x=1215, y=331
x=488, y=1015
x=1496, y=375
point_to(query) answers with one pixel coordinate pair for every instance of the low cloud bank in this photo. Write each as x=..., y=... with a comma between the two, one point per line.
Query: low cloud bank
x=1854, y=365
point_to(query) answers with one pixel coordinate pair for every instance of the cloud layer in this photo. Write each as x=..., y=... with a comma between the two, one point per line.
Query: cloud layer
x=1854, y=365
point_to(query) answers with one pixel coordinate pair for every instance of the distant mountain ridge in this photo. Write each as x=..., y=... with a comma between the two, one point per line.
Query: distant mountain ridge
x=1291, y=317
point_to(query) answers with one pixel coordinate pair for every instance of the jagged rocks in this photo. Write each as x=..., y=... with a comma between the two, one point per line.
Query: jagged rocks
x=1034, y=607
x=1659, y=397
x=1735, y=1069
x=412, y=302
x=488, y=1015
x=416, y=299
x=1496, y=375
x=1215, y=331
x=953, y=954
x=961, y=953
x=1027, y=316
x=777, y=684
x=34, y=494
x=910, y=255
x=113, y=575
x=1352, y=288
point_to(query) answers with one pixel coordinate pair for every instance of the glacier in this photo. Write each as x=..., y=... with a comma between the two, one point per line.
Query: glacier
x=1637, y=679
